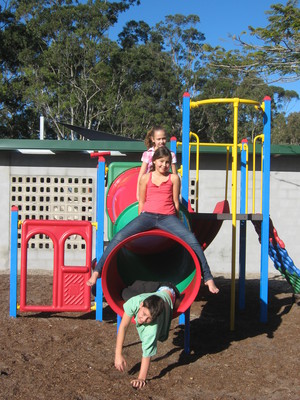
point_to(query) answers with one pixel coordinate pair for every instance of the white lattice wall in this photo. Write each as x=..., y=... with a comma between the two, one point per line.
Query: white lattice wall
x=53, y=197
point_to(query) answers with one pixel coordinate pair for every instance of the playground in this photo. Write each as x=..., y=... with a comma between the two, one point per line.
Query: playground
x=59, y=346
x=69, y=356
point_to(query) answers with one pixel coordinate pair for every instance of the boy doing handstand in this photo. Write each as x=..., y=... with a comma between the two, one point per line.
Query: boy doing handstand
x=153, y=314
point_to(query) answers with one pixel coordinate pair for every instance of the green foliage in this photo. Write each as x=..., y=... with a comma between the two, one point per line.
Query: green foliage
x=57, y=60
x=148, y=92
x=279, y=51
x=134, y=33
x=65, y=63
x=293, y=128
x=181, y=38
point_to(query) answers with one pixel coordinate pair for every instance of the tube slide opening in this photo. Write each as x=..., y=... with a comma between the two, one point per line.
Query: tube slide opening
x=153, y=255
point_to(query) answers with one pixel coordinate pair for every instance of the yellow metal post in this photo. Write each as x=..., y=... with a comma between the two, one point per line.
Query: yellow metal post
x=233, y=202
x=254, y=171
x=197, y=166
x=227, y=165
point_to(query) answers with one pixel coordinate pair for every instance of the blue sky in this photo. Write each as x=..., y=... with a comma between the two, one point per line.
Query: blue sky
x=218, y=19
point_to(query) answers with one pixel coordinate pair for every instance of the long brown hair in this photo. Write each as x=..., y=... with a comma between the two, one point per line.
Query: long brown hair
x=160, y=153
x=150, y=135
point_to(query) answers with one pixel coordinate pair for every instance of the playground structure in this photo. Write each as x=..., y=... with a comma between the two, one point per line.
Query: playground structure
x=134, y=258
x=122, y=207
x=270, y=242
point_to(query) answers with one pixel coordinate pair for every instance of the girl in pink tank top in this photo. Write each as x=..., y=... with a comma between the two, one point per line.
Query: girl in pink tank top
x=159, y=189
x=159, y=199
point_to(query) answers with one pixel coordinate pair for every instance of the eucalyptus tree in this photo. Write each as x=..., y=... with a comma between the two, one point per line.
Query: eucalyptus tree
x=293, y=128
x=182, y=39
x=147, y=84
x=67, y=66
x=248, y=71
x=276, y=47
x=224, y=76
x=15, y=114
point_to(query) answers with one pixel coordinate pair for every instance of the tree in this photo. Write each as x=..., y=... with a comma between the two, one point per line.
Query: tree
x=184, y=42
x=134, y=33
x=146, y=82
x=76, y=74
x=280, y=51
x=293, y=128
x=16, y=115
x=66, y=67
x=224, y=75
x=57, y=60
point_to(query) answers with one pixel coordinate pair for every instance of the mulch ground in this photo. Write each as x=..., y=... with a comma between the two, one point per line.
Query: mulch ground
x=70, y=356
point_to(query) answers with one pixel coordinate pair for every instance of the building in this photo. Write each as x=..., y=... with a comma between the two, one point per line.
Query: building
x=57, y=180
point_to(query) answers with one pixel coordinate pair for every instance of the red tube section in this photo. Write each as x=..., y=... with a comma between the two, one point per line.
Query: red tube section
x=153, y=255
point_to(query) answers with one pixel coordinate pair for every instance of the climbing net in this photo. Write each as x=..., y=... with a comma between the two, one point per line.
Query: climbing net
x=280, y=257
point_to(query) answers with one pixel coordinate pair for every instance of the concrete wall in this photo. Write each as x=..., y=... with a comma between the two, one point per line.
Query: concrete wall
x=4, y=212
x=284, y=203
x=284, y=211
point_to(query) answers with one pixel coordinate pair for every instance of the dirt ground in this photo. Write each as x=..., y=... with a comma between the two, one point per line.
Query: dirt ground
x=70, y=356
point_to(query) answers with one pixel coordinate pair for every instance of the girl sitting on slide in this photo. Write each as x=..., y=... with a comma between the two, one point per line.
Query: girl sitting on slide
x=159, y=209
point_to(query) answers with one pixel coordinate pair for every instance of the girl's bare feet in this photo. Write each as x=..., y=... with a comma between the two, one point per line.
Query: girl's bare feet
x=93, y=279
x=211, y=286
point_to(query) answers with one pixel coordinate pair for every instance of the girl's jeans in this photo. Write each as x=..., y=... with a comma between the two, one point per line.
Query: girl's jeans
x=169, y=223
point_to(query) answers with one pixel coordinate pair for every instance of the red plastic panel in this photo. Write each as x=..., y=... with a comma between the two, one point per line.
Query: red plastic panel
x=70, y=292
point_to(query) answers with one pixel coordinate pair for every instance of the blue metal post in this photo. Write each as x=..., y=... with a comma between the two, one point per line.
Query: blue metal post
x=100, y=232
x=243, y=227
x=185, y=149
x=13, y=263
x=181, y=319
x=187, y=331
x=173, y=144
x=265, y=211
x=185, y=153
x=119, y=319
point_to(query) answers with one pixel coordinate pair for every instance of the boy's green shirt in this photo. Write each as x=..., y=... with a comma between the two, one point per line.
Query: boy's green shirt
x=156, y=330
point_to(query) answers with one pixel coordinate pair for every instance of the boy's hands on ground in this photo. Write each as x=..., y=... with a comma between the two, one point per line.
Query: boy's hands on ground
x=120, y=363
x=138, y=383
